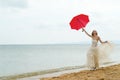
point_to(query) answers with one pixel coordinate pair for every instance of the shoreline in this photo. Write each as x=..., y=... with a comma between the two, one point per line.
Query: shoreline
x=104, y=73
x=43, y=72
x=50, y=72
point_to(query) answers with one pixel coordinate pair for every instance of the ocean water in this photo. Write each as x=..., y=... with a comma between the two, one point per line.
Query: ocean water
x=17, y=59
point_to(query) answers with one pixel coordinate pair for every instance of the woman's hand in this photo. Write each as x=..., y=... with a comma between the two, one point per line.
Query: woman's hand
x=106, y=41
x=83, y=29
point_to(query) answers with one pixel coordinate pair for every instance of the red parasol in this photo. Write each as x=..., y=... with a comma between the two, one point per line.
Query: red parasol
x=79, y=21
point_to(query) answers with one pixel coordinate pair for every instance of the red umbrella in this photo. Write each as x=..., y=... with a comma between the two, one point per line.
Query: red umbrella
x=79, y=21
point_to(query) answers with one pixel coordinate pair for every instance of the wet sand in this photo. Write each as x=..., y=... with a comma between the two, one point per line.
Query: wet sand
x=104, y=73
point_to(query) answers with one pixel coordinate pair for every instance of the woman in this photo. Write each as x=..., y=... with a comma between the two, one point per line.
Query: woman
x=93, y=53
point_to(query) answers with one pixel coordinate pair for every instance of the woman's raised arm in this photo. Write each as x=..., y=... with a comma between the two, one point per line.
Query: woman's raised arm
x=83, y=30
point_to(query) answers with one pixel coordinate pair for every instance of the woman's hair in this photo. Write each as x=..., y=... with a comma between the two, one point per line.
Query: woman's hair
x=93, y=32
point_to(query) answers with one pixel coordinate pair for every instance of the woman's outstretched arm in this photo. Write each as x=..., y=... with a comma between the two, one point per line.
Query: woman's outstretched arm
x=102, y=41
x=83, y=30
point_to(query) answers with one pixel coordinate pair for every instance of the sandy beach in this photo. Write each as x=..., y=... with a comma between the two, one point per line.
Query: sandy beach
x=104, y=73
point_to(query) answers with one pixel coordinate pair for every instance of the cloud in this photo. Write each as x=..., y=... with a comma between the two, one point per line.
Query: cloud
x=13, y=3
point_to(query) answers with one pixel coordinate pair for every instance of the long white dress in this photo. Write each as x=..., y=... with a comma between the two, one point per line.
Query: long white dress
x=97, y=54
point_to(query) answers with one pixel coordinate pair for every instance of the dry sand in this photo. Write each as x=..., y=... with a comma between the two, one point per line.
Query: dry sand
x=105, y=73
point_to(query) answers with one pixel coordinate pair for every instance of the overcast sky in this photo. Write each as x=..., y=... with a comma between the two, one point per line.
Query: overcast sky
x=47, y=21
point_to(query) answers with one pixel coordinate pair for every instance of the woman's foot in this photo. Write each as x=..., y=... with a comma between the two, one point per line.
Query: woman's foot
x=92, y=69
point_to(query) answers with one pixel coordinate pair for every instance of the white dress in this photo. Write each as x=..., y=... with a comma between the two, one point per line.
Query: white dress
x=97, y=54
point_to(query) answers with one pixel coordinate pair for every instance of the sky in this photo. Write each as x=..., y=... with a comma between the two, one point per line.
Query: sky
x=47, y=21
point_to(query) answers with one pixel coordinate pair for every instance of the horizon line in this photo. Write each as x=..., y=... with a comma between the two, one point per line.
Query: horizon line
x=53, y=44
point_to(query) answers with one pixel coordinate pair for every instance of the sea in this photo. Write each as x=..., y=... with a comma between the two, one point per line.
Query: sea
x=18, y=59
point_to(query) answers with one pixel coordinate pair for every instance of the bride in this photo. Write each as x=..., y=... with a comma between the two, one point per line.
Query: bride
x=94, y=53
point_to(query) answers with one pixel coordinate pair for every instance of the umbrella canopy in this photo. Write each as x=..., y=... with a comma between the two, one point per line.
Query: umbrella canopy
x=79, y=21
